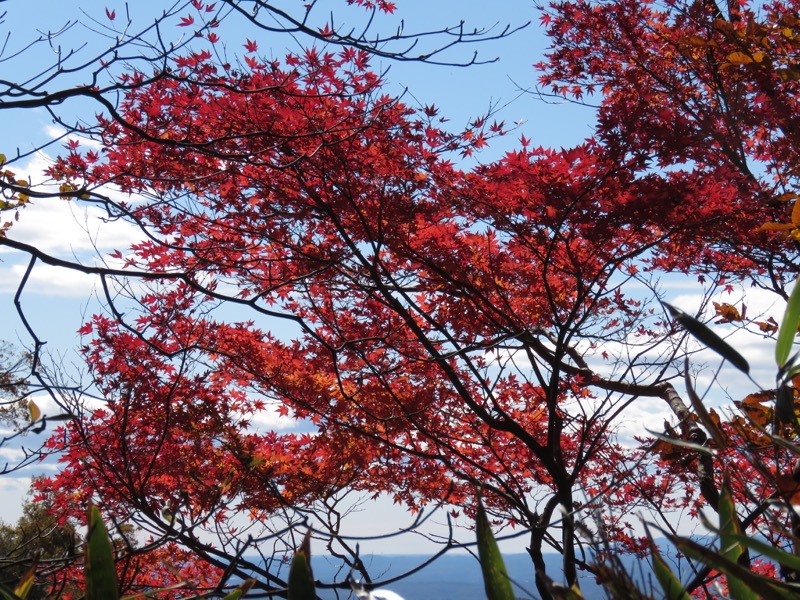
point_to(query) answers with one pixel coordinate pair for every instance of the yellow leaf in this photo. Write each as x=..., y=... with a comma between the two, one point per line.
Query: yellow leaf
x=36, y=414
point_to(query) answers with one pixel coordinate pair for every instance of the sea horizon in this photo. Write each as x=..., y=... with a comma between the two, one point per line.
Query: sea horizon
x=451, y=576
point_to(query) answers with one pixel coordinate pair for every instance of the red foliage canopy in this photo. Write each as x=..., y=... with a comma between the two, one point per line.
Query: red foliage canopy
x=441, y=328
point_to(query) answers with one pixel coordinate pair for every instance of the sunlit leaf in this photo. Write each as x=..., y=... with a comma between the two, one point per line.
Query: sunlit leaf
x=34, y=412
x=788, y=328
x=796, y=214
x=240, y=591
x=739, y=58
x=25, y=583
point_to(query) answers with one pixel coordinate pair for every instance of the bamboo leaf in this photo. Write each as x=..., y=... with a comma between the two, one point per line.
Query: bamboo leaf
x=240, y=591
x=25, y=583
x=702, y=413
x=773, y=553
x=7, y=594
x=672, y=586
x=709, y=338
x=731, y=549
x=101, y=576
x=495, y=575
x=788, y=328
x=728, y=524
x=301, y=578
x=681, y=443
x=784, y=406
x=761, y=586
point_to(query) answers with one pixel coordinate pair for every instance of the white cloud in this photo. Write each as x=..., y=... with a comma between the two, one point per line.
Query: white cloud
x=56, y=131
x=47, y=281
x=63, y=227
x=66, y=227
x=269, y=420
x=11, y=455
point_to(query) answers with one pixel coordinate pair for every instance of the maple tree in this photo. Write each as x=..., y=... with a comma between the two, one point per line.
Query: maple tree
x=49, y=68
x=309, y=247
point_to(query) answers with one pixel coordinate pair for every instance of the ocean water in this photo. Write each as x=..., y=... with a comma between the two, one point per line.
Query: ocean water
x=450, y=577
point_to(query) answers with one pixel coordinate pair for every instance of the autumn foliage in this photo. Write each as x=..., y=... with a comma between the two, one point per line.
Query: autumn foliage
x=311, y=250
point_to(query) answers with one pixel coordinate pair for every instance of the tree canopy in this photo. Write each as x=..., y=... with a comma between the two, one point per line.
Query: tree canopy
x=312, y=246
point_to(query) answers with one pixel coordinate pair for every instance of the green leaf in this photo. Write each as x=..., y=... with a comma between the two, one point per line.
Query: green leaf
x=240, y=591
x=682, y=443
x=301, y=578
x=705, y=417
x=773, y=553
x=101, y=576
x=784, y=406
x=760, y=585
x=731, y=549
x=790, y=369
x=153, y=593
x=672, y=586
x=788, y=328
x=7, y=594
x=495, y=575
x=709, y=338
x=728, y=524
x=26, y=582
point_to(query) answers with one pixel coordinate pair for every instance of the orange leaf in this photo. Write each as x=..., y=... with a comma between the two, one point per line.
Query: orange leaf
x=739, y=58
